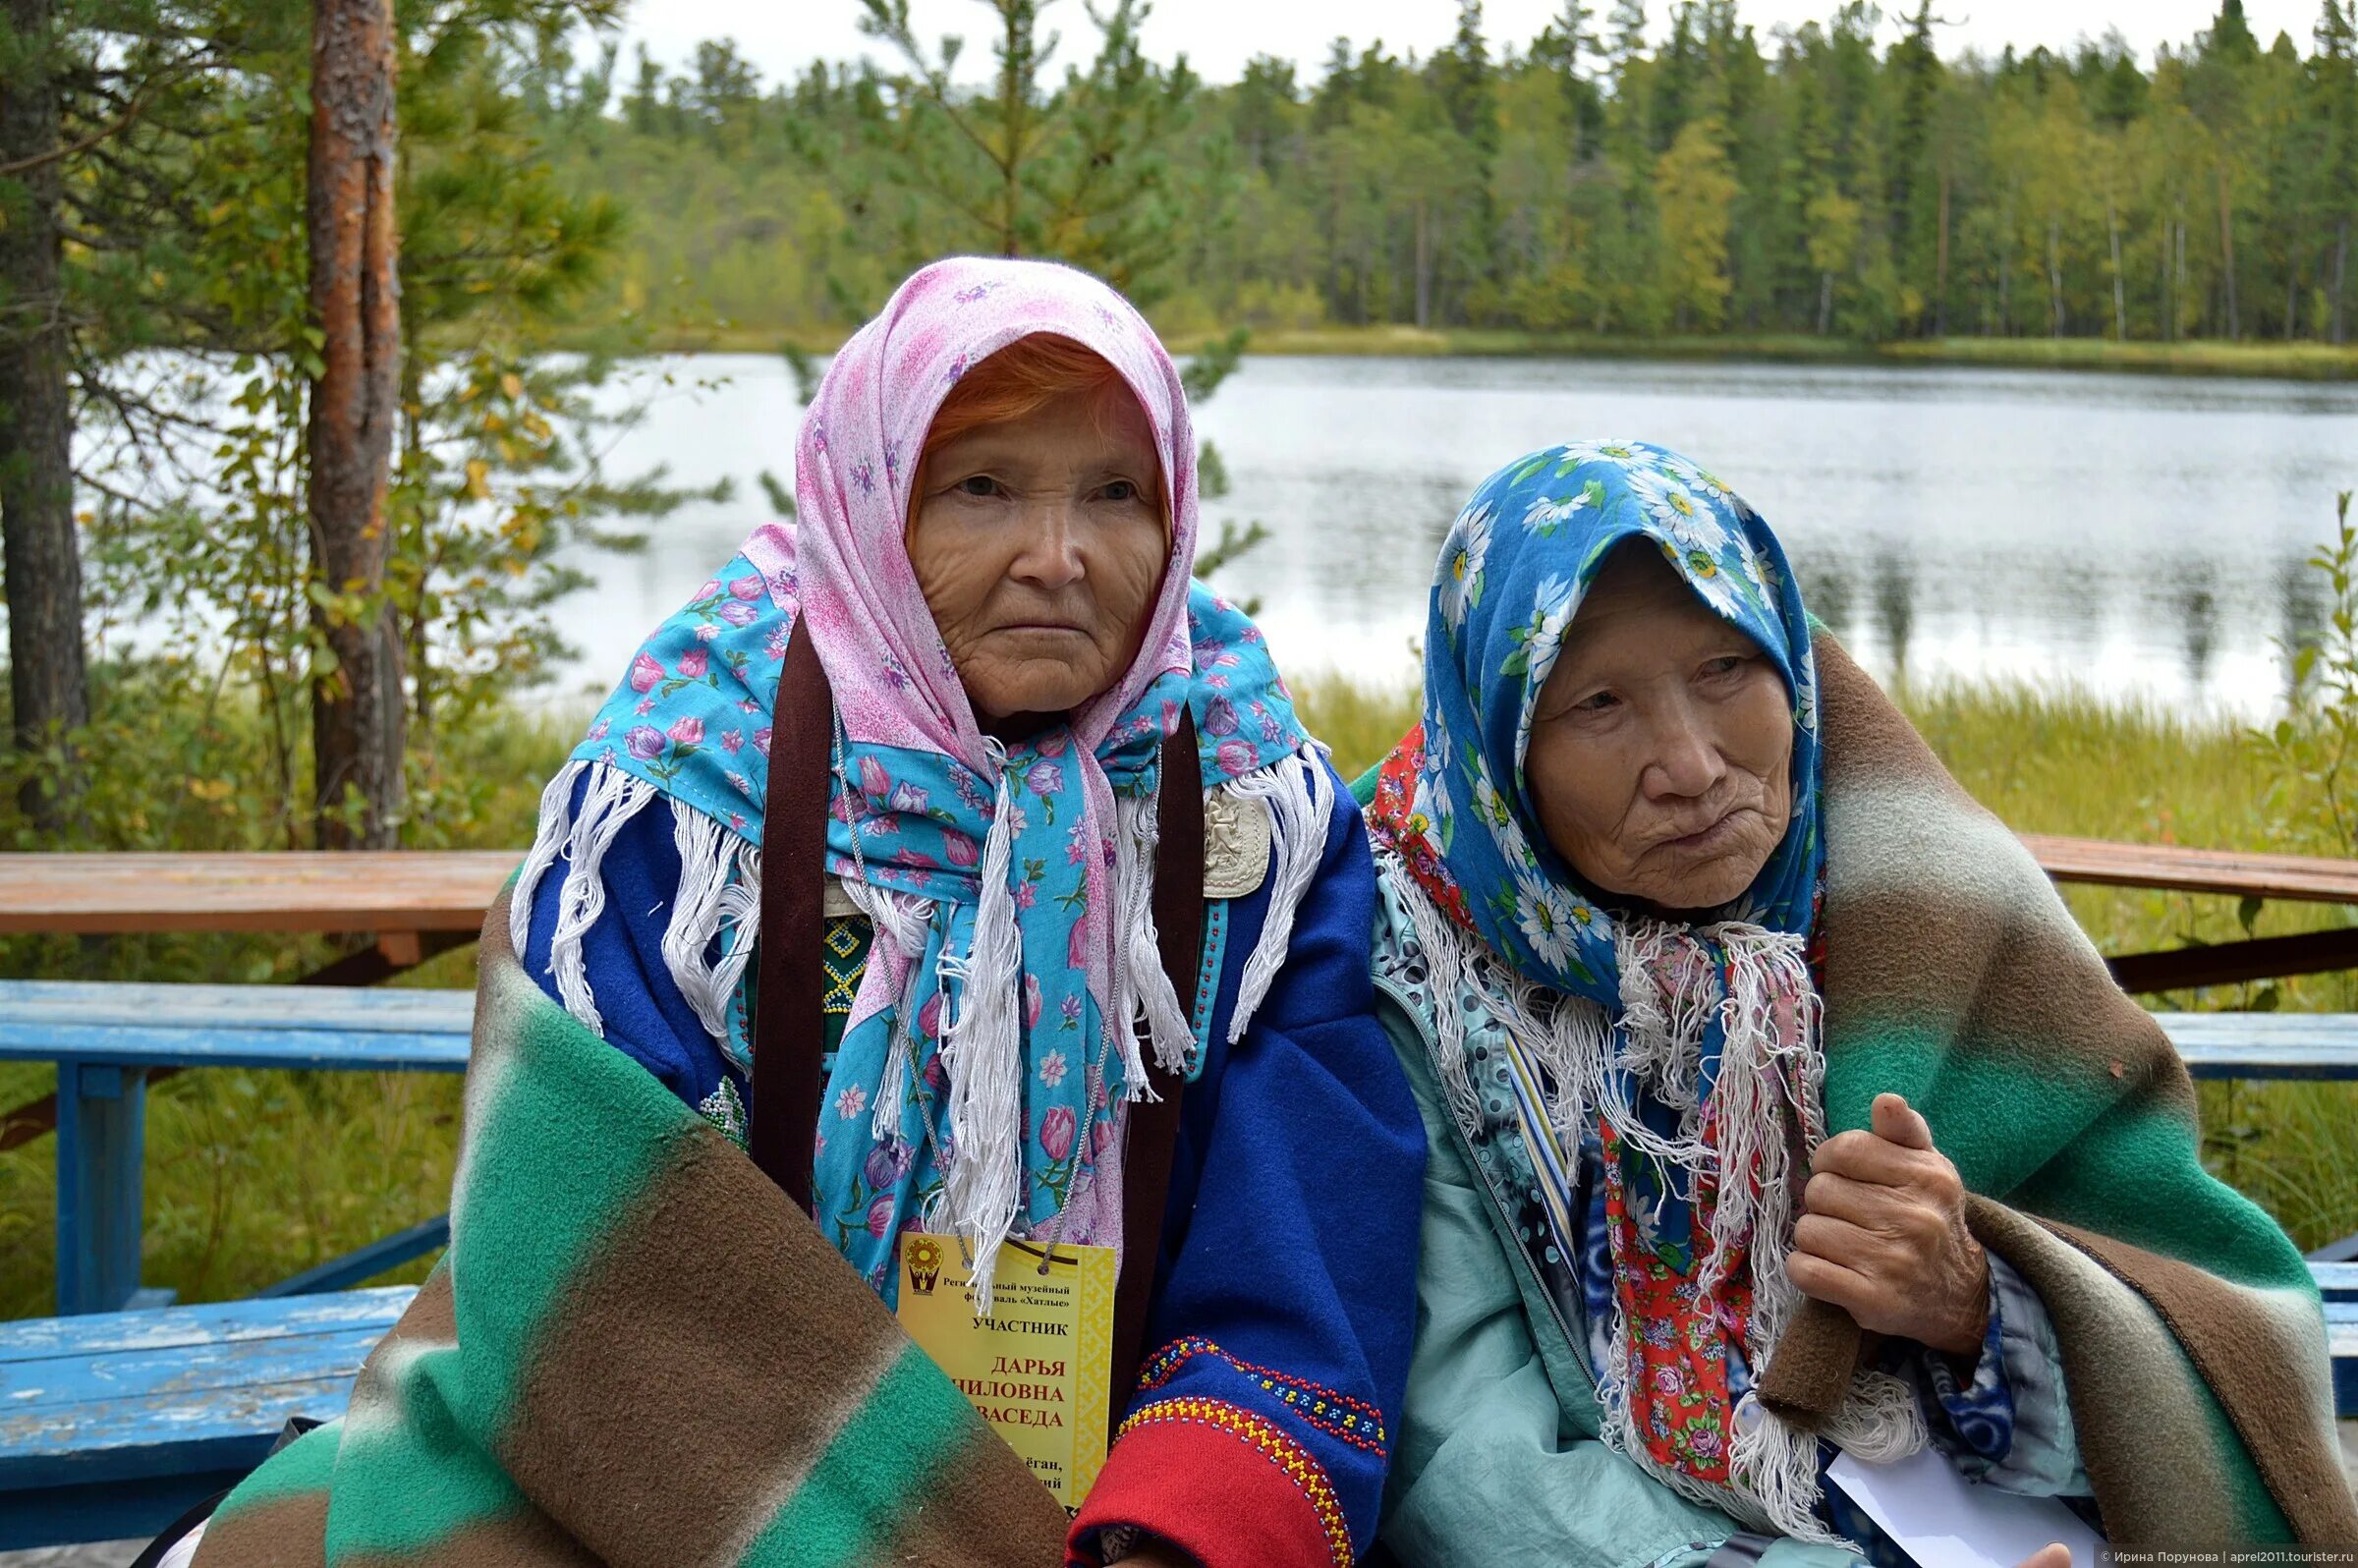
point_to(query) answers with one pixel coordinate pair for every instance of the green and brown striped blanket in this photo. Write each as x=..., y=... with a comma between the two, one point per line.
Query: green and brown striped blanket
x=634, y=1353
x=2193, y=1343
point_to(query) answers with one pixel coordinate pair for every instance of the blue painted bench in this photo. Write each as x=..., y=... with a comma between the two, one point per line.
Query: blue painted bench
x=111, y=1425
x=106, y=1038
x=2339, y=1284
x=114, y=1424
x=2282, y=1046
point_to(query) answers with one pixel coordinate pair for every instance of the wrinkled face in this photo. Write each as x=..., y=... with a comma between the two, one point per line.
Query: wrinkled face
x=1039, y=543
x=1661, y=747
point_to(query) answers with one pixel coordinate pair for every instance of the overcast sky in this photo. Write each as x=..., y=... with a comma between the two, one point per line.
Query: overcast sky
x=782, y=37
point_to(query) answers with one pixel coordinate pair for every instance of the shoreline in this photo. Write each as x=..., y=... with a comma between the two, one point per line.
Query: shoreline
x=2281, y=362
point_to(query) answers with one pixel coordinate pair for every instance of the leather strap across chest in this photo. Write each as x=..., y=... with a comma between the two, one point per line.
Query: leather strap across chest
x=789, y=1019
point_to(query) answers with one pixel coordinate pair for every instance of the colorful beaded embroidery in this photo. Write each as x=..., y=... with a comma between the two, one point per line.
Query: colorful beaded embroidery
x=1274, y=1445
x=1339, y=1416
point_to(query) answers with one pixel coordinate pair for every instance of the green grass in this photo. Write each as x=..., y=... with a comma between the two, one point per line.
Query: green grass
x=254, y=1176
x=2300, y=361
x=2308, y=362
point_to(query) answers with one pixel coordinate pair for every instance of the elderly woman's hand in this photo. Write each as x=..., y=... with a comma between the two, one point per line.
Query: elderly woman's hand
x=1885, y=1238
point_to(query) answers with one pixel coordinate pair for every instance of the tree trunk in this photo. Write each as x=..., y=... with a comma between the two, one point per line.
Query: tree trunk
x=2005, y=300
x=2226, y=254
x=2121, y=289
x=357, y=709
x=2055, y=276
x=47, y=680
x=2341, y=279
x=1825, y=302
x=2177, y=304
x=1424, y=268
x=1940, y=266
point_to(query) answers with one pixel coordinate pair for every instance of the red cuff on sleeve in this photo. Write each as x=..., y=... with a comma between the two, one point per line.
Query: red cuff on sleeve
x=1222, y=1484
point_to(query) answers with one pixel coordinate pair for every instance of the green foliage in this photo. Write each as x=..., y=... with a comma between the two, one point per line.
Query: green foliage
x=1841, y=179
x=196, y=379
x=1081, y=170
x=2311, y=748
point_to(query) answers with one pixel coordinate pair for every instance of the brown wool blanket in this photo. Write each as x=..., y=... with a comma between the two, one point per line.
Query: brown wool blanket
x=634, y=1353
x=2193, y=1342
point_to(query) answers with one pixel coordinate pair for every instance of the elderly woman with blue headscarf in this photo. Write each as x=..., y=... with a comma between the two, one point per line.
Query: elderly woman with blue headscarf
x=1776, y=1105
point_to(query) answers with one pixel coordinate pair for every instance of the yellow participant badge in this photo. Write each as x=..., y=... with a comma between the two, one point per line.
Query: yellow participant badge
x=1040, y=1368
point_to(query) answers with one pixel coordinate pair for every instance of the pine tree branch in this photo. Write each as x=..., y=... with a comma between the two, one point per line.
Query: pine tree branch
x=131, y=111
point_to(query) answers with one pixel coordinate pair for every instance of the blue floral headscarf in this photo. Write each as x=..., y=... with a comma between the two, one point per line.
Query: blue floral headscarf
x=1514, y=569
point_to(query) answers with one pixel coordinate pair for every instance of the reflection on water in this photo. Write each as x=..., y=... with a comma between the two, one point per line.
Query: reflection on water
x=2137, y=534
x=2198, y=610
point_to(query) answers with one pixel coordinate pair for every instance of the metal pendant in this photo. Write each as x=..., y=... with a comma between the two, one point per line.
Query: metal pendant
x=1236, y=845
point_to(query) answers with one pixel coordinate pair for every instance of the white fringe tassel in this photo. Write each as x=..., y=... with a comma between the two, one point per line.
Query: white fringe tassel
x=982, y=1054
x=1768, y=1099
x=1147, y=1002
x=1297, y=792
x=718, y=905
x=548, y=842
x=718, y=900
x=900, y=922
x=612, y=799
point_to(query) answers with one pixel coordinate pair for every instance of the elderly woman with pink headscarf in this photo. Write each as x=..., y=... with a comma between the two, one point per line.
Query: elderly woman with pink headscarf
x=952, y=866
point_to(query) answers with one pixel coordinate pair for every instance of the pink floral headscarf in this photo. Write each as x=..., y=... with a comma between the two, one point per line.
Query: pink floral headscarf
x=1031, y=1100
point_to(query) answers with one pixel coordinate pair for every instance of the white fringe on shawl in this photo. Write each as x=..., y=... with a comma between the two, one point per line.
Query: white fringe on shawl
x=1772, y=1075
x=715, y=917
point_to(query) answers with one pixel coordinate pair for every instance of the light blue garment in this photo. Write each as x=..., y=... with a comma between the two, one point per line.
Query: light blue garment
x=1500, y=1438
x=1498, y=1459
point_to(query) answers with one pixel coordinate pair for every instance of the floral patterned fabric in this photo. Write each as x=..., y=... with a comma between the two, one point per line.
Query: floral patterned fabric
x=1514, y=569
x=693, y=718
x=1452, y=802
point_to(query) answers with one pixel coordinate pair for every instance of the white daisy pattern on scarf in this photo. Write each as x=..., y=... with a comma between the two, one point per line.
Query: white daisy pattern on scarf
x=1621, y=454
x=1543, y=915
x=1464, y=552
x=1693, y=522
x=1550, y=513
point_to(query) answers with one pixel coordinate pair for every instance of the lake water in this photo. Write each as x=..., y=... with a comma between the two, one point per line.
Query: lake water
x=2140, y=535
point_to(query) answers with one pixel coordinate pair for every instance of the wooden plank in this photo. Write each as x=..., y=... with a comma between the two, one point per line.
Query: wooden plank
x=2342, y=1343
x=397, y=890
x=2234, y=962
x=358, y=1009
x=33, y=1339
x=2177, y=869
x=114, y=1510
x=288, y=1048
x=2298, y=1045
x=68, y=1514
x=156, y=1434
x=236, y=1026
x=364, y=1262
x=2336, y=1281
x=2264, y=1031
x=448, y=890
x=190, y=1371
